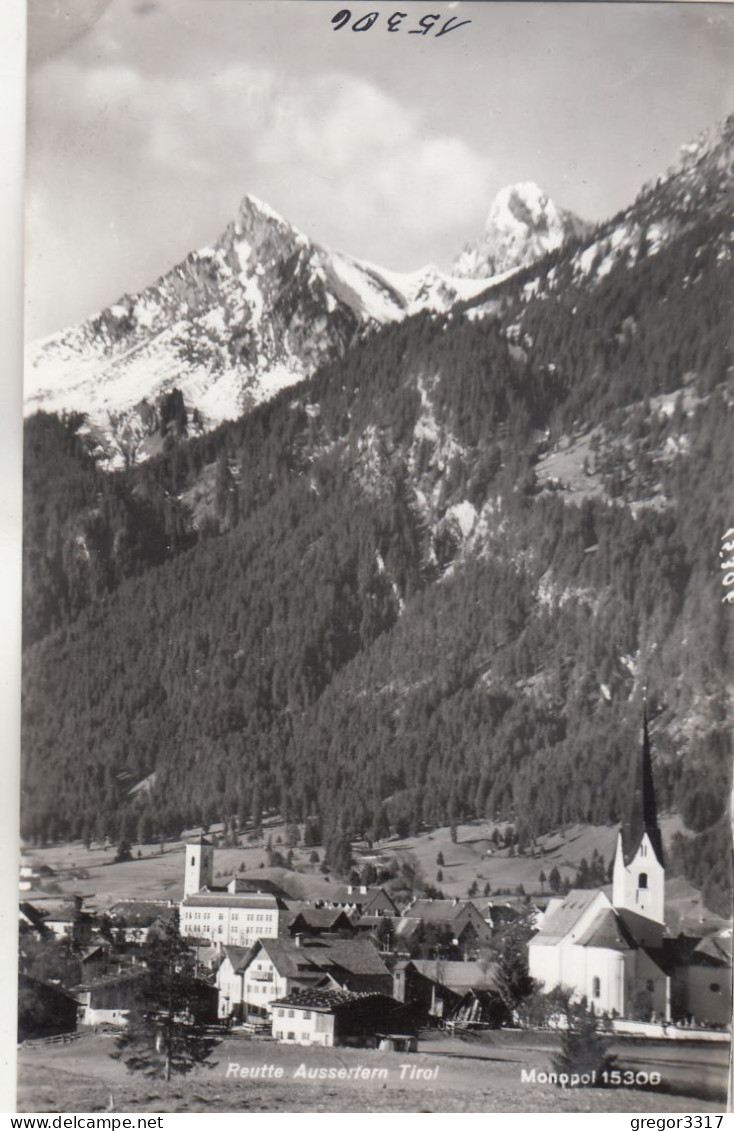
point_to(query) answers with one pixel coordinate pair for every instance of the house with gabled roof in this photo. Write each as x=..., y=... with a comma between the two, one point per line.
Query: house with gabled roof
x=309, y=920
x=229, y=980
x=379, y=902
x=332, y=1017
x=248, y=983
x=133, y=918
x=359, y=899
x=469, y=931
x=62, y=916
x=44, y=1010
x=109, y=999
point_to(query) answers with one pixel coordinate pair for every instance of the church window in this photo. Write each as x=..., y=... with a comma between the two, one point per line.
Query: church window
x=642, y=882
x=643, y=850
x=715, y=988
x=596, y=987
x=649, y=985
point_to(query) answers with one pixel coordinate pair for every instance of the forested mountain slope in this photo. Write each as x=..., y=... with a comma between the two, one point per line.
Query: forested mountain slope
x=427, y=584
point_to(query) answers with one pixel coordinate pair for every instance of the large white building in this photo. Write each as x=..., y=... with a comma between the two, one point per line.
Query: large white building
x=228, y=916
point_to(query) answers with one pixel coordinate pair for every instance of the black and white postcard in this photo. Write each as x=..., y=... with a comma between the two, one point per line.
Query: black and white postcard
x=378, y=573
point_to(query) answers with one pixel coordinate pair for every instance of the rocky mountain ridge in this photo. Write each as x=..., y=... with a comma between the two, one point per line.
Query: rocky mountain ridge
x=228, y=327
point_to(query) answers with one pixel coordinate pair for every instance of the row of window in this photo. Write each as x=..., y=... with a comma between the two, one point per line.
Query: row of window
x=251, y=916
x=596, y=986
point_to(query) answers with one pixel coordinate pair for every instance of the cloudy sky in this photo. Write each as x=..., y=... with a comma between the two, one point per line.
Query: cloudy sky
x=148, y=121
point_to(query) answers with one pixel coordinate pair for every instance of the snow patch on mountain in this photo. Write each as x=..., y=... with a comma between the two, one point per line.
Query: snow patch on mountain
x=465, y=515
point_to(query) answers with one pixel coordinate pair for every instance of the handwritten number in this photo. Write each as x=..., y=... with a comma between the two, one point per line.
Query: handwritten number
x=366, y=22
x=392, y=25
x=426, y=24
x=451, y=25
x=423, y=27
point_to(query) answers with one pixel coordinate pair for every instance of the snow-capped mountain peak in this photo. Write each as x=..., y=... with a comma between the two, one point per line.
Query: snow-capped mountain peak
x=229, y=326
x=523, y=225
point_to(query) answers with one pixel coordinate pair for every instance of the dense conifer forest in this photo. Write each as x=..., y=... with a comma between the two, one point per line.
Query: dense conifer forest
x=291, y=613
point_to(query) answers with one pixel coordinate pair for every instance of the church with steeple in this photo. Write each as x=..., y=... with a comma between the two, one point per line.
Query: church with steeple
x=612, y=948
x=609, y=947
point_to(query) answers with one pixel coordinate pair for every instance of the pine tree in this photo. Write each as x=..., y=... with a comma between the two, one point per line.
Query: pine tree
x=338, y=854
x=583, y=1049
x=163, y=1036
x=512, y=979
x=124, y=851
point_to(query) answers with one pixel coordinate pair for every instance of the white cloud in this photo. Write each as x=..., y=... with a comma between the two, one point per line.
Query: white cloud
x=251, y=123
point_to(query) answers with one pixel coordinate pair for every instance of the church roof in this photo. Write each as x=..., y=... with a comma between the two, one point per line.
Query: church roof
x=561, y=920
x=642, y=814
x=607, y=930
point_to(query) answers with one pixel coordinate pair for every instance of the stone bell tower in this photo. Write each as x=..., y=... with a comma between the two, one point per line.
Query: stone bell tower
x=199, y=867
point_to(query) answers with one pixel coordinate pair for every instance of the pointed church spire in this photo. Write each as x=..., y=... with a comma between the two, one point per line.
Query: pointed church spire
x=642, y=814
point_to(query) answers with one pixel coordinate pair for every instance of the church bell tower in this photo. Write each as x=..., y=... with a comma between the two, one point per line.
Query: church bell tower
x=199, y=867
x=638, y=887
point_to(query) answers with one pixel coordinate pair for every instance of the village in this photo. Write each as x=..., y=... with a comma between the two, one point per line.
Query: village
x=374, y=965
